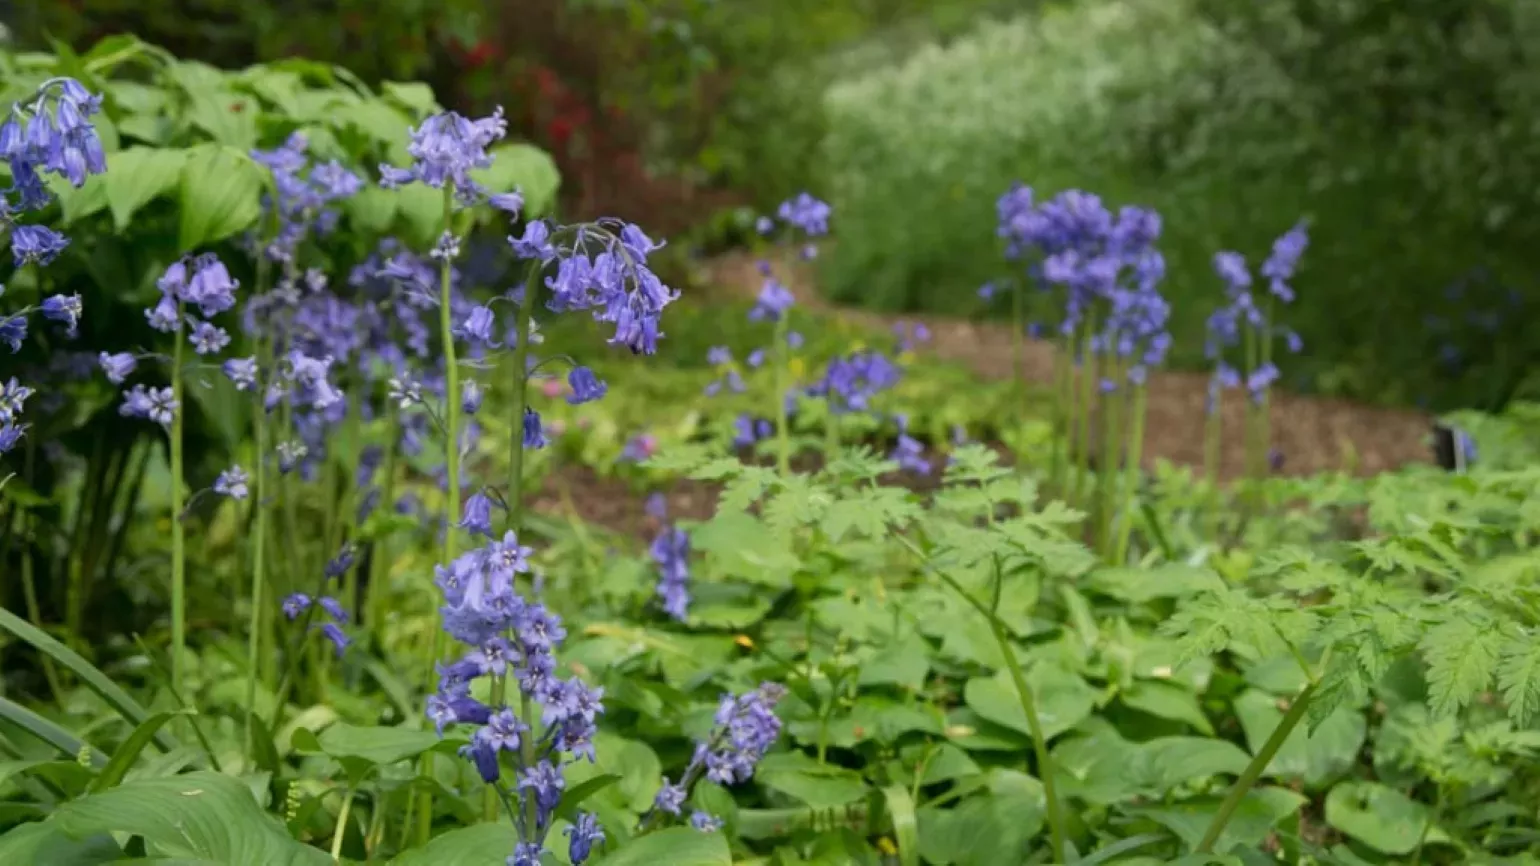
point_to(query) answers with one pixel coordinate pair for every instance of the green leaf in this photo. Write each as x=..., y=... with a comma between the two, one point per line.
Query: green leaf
x=1174, y=761
x=906, y=826
x=46, y=731
x=200, y=815
x=139, y=175
x=676, y=846
x=221, y=195
x=42, y=843
x=572, y=799
x=1380, y=817
x=1518, y=675
x=85, y=672
x=818, y=785
x=1062, y=699
x=359, y=749
x=633, y=761
x=371, y=210
x=230, y=118
x=77, y=203
x=1167, y=701
x=525, y=168
x=984, y=830
x=1256, y=816
x=478, y=845
x=129, y=751
x=420, y=211
x=412, y=95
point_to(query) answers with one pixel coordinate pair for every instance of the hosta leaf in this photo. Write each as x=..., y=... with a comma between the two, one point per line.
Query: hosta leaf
x=478, y=845
x=1382, y=818
x=202, y=815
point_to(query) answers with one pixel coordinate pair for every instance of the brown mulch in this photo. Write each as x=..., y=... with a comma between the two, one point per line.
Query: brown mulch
x=1314, y=434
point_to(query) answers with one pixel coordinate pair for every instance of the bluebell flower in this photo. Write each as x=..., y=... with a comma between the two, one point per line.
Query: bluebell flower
x=478, y=326
x=232, y=483
x=339, y=639
x=705, y=821
x=471, y=395
x=586, y=387
x=806, y=213
x=534, y=435
x=208, y=338
x=639, y=448
x=155, y=404
x=670, y=798
x=13, y=330
x=584, y=833
x=242, y=372
x=850, y=383
x=295, y=604
x=773, y=302
x=671, y=552
x=511, y=203
x=445, y=149
x=63, y=308
x=477, y=515
x=34, y=243
x=338, y=565
x=909, y=454
x=118, y=367
x=12, y=395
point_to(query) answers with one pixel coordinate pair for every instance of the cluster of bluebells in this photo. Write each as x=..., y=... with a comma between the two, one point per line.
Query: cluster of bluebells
x=1241, y=314
x=852, y=381
x=1106, y=266
x=745, y=729
x=301, y=206
x=670, y=550
x=51, y=134
x=299, y=604
x=510, y=636
x=908, y=452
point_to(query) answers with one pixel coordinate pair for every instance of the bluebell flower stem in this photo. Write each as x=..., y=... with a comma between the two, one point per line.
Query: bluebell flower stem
x=527, y=761
x=258, y=571
x=1249, y=452
x=452, y=459
x=1063, y=411
x=1087, y=400
x=1107, y=468
x=178, y=539
x=1131, y=474
x=490, y=793
x=341, y=829
x=379, y=560
x=520, y=402
x=1264, y=416
x=782, y=425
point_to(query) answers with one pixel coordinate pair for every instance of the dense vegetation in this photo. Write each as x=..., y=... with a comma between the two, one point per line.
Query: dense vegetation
x=305, y=386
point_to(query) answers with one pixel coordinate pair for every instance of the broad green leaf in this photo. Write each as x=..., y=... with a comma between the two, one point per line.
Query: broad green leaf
x=201, y=815
x=633, y=761
x=1141, y=585
x=139, y=175
x=221, y=195
x=361, y=749
x=904, y=663
x=371, y=210
x=76, y=203
x=229, y=117
x=738, y=545
x=983, y=830
x=1173, y=761
x=526, y=168
x=129, y=751
x=1168, y=701
x=572, y=799
x=1062, y=699
x=1382, y=818
x=478, y=845
x=676, y=846
x=412, y=95
x=42, y=843
x=1257, y=815
x=818, y=785
x=419, y=210
x=906, y=827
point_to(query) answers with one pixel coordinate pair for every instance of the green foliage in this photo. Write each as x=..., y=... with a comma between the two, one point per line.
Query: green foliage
x=1234, y=121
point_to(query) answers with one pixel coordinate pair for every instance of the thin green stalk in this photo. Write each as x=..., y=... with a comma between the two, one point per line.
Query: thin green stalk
x=1253, y=771
x=452, y=456
x=1264, y=415
x=342, y=823
x=1131, y=475
x=1063, y=411
x=35, y=615
x=379, y=557
x=1250, y=457
x=527, y=757
x=258, y=570
x=831, y=436
x=520, y=403
x=1107, y=470
x=782, y=426
x=1045, y=771
x=178, y=539
x=489, y=798
x=1088, y=386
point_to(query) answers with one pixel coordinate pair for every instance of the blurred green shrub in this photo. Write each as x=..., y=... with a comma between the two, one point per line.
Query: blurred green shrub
x=1401, y=132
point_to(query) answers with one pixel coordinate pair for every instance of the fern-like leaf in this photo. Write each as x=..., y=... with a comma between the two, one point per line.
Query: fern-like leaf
x=1518, y=675
x=1461, y=653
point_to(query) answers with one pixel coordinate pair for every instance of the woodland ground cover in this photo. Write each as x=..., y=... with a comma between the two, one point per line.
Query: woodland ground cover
x=288, y=356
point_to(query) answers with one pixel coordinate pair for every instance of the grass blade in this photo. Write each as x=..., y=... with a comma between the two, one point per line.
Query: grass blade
x=86, y=672
x=123, y=759
x=48, y=732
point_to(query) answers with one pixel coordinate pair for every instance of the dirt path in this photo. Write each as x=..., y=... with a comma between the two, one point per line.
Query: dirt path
x=1314, y=434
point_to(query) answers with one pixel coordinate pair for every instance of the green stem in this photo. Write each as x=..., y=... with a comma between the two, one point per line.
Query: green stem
x=342, y=823
x=489, y=798
x=1063, y=411
x=258, y=573
x=1045, y=771
x=178, y=538
x=782, y=426
x=1131, y=475
x=452, y=509
x=379, y=558
x=1107, y=471
x=1254, y=770
x=35, y=615
x=1088, y=386
x=527, y=759
x=520, y=403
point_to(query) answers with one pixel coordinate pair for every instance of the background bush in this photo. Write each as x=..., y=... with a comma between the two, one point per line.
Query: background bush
x=1401, y=131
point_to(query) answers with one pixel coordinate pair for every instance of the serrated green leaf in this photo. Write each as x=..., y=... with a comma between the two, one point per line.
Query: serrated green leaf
x=1462, y=657
x=1518, y=675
